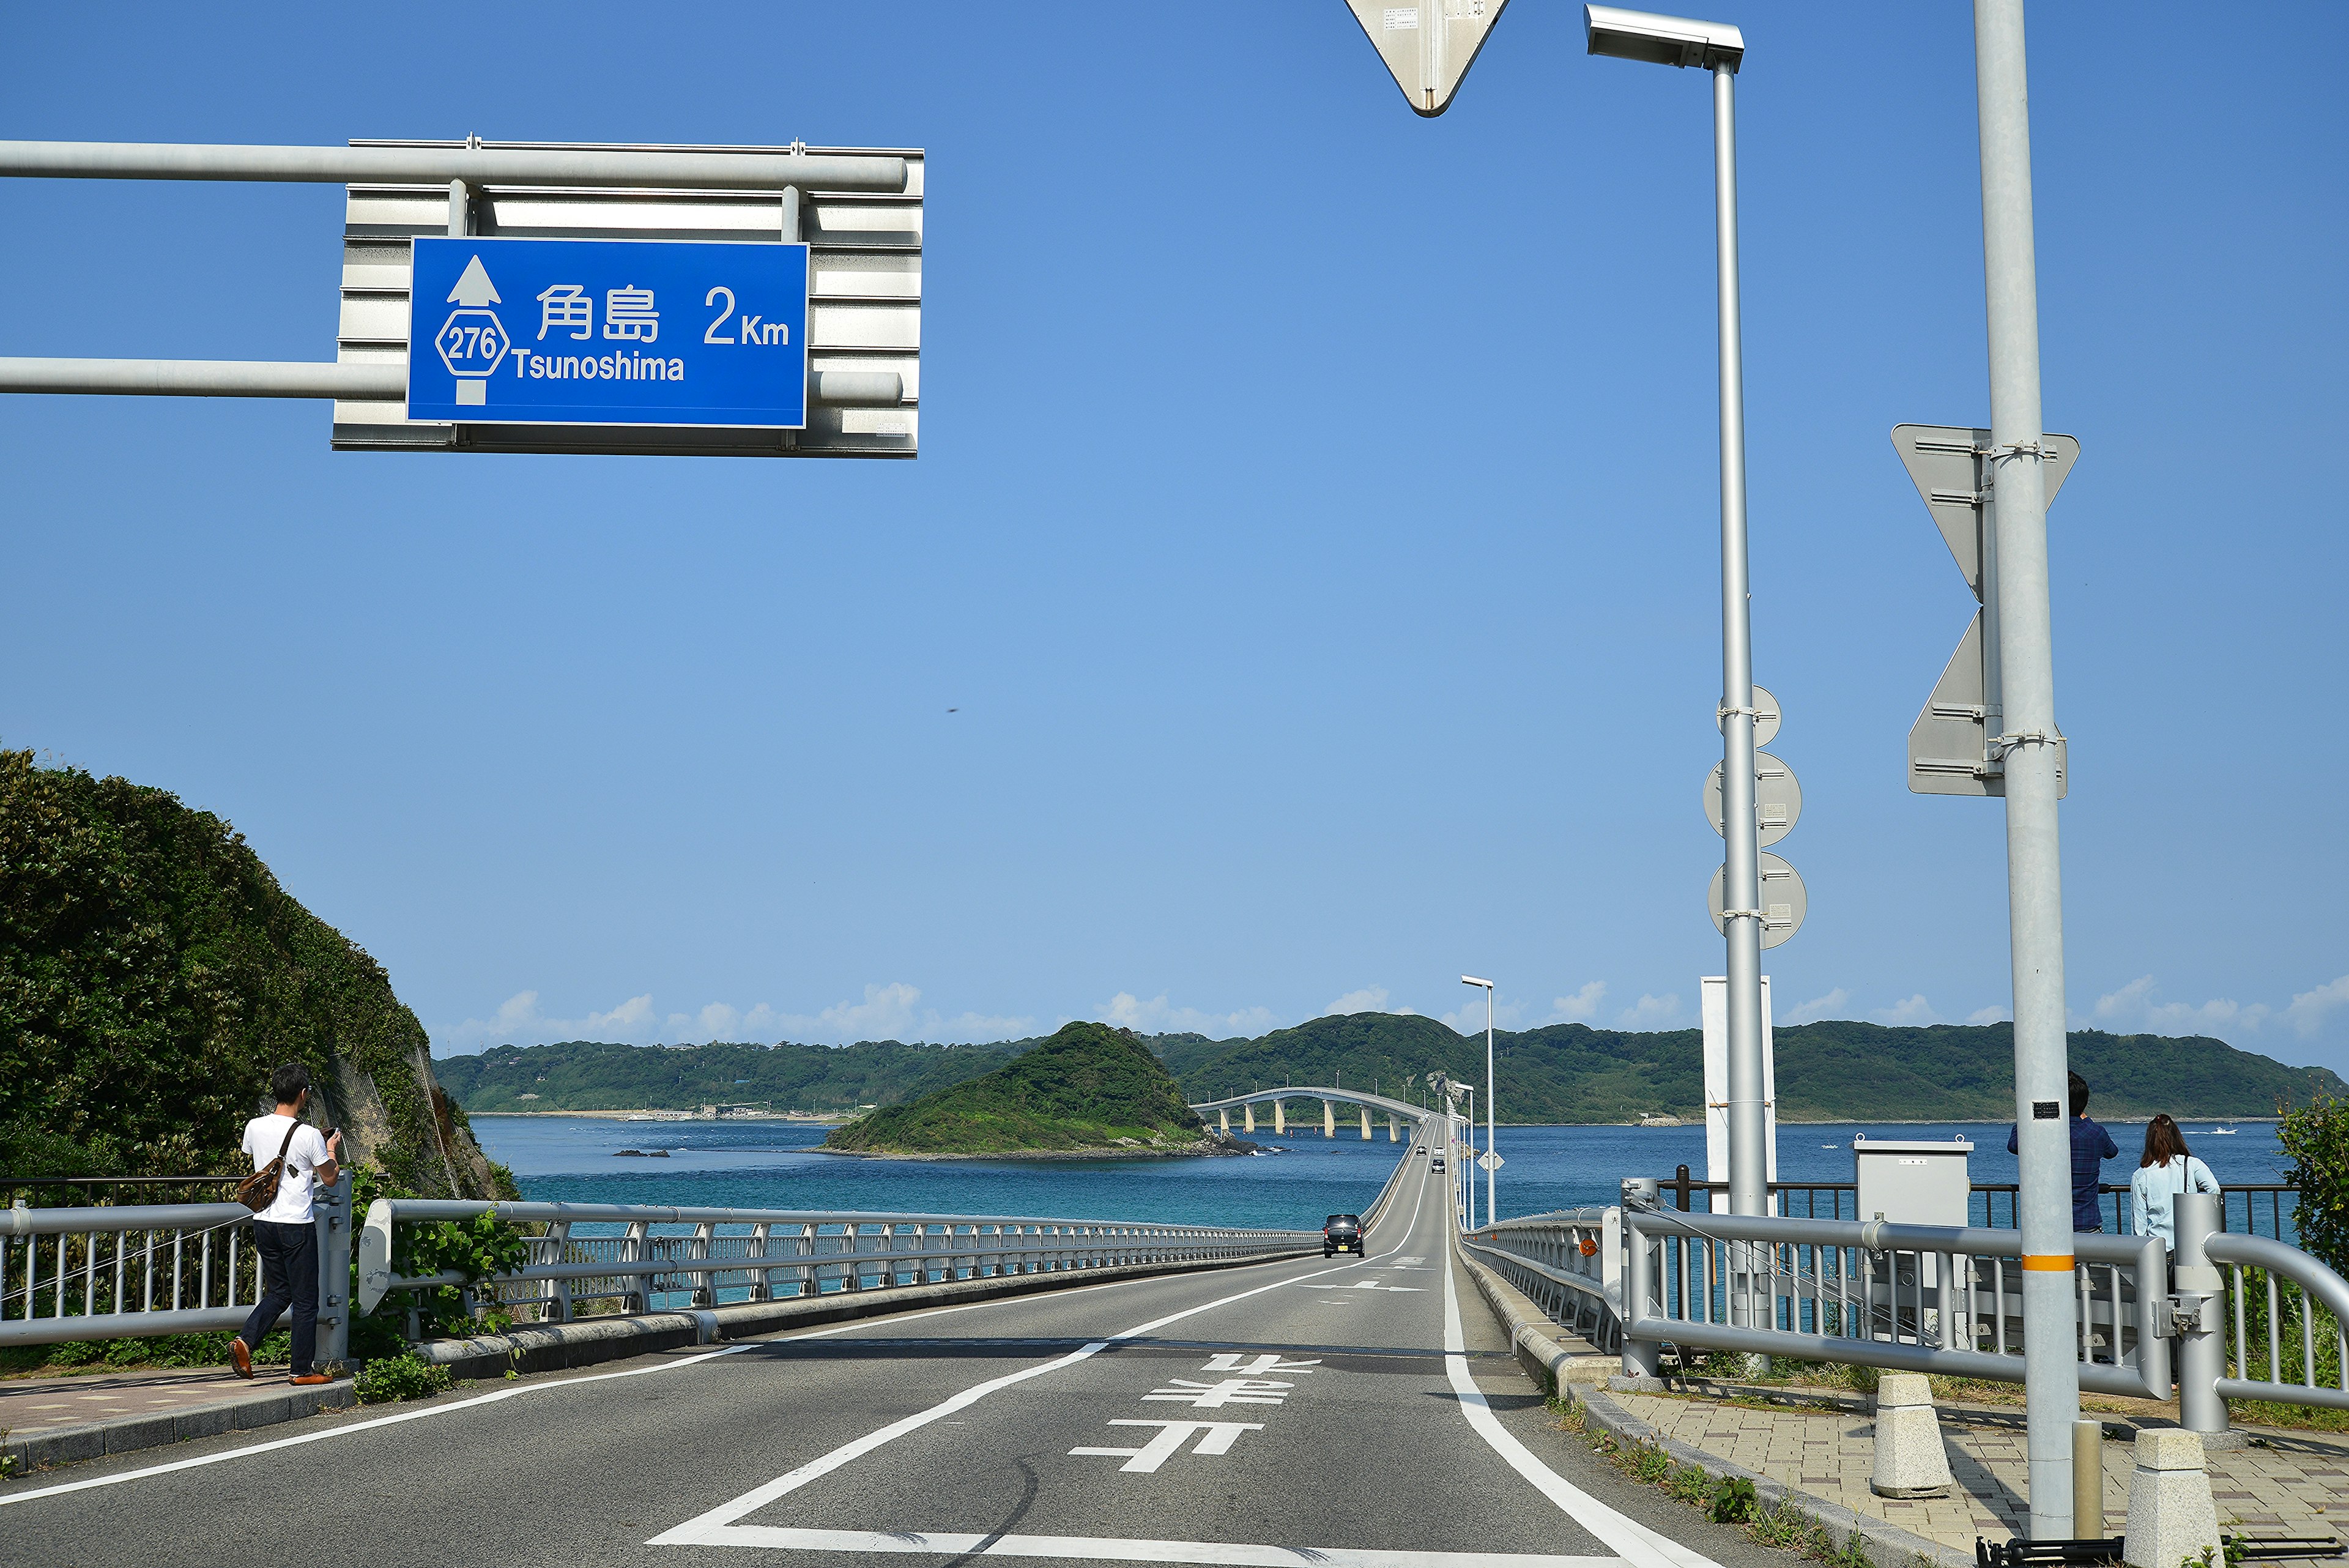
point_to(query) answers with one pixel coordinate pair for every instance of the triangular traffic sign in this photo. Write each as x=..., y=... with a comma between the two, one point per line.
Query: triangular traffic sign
x=1944, y=463
x=473, y=286
x=1428, y=44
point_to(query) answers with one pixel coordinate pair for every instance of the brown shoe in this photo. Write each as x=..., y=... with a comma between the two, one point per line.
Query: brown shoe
x=240, y=1357
x=310, y=1379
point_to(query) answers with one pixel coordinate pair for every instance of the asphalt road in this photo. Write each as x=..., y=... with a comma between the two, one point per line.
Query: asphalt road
x=1350, y=1411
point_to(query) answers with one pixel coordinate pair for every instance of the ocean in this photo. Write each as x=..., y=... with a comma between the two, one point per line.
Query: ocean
x=772, y=1165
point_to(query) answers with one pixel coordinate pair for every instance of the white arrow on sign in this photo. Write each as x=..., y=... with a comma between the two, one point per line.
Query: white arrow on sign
x=1948, y=746
x=473, y=286
x=1428, y=44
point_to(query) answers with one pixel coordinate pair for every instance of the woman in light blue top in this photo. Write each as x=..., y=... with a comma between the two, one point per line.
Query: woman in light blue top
x=2166, y=1172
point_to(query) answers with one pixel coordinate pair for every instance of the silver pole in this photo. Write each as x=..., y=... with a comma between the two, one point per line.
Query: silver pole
x=1491, y=1213
x=2027, y=696
x=1741, y=889
x=640, y=167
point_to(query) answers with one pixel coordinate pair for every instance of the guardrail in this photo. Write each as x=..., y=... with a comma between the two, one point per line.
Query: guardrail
x=2239, y=1208
x=139, y=1271
x=1570, y=1264
x=635, y=1253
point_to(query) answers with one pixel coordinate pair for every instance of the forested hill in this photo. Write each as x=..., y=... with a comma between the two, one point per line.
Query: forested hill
x=583, y=1076
x=153, y=973
x=1088, y=1089
x=1826, y=1071
x=1564, y=1073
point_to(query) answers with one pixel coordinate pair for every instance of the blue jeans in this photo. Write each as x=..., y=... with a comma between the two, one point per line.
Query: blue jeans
x=289, y=1277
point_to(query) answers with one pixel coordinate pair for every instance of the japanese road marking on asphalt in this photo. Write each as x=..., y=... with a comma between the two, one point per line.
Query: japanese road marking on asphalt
x=1098, y=1549
x=1218, y=1438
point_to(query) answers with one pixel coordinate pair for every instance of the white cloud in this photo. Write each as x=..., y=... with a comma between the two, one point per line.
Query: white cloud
x=1579, y=1008
x=1987, y=1015
x=1370, y=998
x=1819, y=1007
x=1157, y=1016
x=1913, y=1010
x=2309, y=1008
x=1653, y=1013
x=886, y=1012
x=2133, y=1010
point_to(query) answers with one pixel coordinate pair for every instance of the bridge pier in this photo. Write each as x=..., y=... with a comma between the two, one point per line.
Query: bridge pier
x=1225, y=1117
x=1329, y=1118
x=1366, y=1122
x=1249, y=1111
x=1394, y=1133
x=1279, y=1117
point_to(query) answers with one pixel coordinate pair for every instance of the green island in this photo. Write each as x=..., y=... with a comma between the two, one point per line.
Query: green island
x=1089, y=1090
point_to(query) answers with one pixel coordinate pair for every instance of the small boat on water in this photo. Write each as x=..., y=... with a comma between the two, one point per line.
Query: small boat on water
x=2220, y=1132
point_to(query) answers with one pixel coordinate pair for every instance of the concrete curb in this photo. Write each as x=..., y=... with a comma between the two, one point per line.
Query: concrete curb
x=127, y=1434
x=556, y=1346
x=1533, y=1334
x=1889, y=1543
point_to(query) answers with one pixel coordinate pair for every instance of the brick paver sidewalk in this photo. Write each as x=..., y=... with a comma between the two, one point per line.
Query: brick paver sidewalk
x=2283, y=1483
x=31, y=1407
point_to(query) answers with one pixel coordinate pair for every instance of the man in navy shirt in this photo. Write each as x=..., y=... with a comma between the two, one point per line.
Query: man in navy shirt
x=2091, y=1147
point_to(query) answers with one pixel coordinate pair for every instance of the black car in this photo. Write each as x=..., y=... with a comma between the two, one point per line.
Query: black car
x=1341, y=1233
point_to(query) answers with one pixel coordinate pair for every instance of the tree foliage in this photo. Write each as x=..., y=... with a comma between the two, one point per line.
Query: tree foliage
x=153, y=973
x=2316, y=1136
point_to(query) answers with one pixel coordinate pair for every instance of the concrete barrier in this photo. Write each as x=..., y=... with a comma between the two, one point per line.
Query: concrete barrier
x=1910, y=1458
x=2171, y=1515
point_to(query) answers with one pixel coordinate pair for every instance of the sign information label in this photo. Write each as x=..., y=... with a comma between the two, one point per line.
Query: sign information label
x=608, y=332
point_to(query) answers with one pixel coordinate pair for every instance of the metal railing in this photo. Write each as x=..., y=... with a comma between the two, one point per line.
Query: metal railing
x=636, y=1255
x=1992, y=1203
x=139, y=1271
x=1570, y=1264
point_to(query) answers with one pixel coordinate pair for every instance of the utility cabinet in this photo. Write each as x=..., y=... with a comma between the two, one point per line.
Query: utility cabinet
x=1913, y=1183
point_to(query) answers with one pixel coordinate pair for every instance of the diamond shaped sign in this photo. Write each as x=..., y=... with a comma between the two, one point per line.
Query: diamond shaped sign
x=1428, y=44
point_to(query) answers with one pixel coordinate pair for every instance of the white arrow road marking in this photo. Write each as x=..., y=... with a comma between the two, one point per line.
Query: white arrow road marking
x=1641, y=1546
x=1144, y=1461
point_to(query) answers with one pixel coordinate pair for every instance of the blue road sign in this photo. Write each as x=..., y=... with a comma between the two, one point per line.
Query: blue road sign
x=608, y=332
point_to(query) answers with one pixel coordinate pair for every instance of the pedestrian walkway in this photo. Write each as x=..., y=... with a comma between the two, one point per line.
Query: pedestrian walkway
x=56, y=1420
x=1823, y=1443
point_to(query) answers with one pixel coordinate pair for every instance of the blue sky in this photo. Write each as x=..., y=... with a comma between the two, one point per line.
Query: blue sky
x=1315, y=529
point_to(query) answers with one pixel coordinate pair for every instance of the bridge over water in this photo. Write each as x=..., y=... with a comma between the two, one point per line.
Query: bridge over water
x=1398, y=1112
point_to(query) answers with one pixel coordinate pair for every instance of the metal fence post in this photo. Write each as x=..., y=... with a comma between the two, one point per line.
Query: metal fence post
x=2201, y=1347
x=330, y=1210
x=1643, y=1360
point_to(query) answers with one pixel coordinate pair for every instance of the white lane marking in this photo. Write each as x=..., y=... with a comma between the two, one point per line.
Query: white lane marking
x=1638, y=1546
x=717, y=1527
x=1098, y=1549
x=369, y=1426
x=1218, y=1438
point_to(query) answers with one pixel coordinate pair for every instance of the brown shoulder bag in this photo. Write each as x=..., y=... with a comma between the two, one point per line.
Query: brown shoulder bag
x=259, y=1190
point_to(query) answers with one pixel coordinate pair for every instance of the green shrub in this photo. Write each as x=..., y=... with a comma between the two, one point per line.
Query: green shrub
x=1733, y=1500
x=1649, y=1462
x=1690, y=1483
x=2316, y=1136
x=1789, y=1527
x=400, y=1377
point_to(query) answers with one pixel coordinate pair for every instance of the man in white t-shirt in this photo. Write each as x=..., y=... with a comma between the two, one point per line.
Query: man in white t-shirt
x=285, y=1234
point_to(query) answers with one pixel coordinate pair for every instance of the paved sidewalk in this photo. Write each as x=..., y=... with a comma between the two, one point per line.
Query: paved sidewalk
x=2283, y=1483
x=54, y=1420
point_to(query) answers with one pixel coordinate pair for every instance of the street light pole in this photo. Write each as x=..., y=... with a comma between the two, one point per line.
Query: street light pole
x=2034, y=889
x=1492, y=1209
x=1681, y=41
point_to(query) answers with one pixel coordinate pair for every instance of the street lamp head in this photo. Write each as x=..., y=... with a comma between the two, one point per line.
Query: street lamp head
x=1661, y=41
x=1472, y=980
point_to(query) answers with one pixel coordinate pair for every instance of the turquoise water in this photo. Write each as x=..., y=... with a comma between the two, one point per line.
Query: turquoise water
x=772, y=1165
